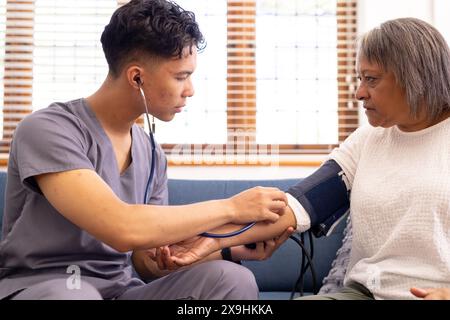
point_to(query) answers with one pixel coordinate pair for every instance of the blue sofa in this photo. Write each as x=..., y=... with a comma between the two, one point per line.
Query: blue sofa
x=275, y=276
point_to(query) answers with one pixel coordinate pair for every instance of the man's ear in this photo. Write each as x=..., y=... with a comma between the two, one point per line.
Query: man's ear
x=135, y=76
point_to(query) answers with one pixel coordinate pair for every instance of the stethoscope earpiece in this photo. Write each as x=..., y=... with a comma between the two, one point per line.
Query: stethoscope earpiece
x=137, y=79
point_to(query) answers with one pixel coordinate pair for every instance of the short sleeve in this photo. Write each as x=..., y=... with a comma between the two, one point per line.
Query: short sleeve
x=49, y=141
x=348, y=153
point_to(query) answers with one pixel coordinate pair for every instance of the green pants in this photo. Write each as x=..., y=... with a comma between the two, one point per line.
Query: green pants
x=355, y=291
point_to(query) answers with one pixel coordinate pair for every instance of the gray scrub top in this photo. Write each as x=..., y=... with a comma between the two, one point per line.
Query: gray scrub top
x=38, y=243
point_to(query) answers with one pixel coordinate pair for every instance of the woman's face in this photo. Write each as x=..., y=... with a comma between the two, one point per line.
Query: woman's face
x=384, y=100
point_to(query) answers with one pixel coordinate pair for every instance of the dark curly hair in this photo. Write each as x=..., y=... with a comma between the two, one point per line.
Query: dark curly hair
x=158, y=28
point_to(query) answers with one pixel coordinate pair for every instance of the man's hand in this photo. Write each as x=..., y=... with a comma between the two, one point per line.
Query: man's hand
x=431, y=293
x=263, y=250
x=258, y=204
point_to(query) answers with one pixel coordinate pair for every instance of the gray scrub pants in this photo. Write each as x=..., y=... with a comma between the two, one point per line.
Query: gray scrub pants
x=215, y=280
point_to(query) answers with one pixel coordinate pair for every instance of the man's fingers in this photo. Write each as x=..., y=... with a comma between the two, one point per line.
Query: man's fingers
x=270, y=246
x=281, y=196
x=277, y=206
x=260, y=247
x=284, y=236
x=272, y=217
x=277, y=194
x=270, y=243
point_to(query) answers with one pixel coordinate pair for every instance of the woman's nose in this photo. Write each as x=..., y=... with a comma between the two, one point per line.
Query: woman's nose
x=361, y=93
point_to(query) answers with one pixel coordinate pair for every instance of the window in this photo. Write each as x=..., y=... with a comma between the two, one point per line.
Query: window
x=296, y=72
x=204, y=119
x=277, y=76
x=17, y=65
x=52, y=52
x=68, y=61
x=288, y=90
x=441, y=20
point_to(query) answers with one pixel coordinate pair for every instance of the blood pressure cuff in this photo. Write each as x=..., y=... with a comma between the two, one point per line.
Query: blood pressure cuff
x=325, y=196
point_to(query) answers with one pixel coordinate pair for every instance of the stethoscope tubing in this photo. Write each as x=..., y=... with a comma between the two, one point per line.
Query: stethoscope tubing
x=152, y=172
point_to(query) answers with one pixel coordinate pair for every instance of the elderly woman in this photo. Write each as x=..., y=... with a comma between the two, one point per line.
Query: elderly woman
x=399, y=166
x=397, y=169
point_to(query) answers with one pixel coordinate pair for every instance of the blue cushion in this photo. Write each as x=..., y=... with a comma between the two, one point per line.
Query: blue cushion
x=190, y=191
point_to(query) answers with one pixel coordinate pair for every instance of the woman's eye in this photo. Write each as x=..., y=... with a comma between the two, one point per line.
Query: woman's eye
x=181, y=77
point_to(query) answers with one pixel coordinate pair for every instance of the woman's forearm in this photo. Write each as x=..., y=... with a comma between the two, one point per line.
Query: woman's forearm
x=189, y=252
x=261, y=231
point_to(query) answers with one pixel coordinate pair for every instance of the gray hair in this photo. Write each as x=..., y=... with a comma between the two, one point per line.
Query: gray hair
x=418, y=56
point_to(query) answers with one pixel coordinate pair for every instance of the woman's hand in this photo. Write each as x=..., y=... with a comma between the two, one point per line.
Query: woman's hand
x=183, y=253
x=431, y=293
x=263, y=250
x=162, y=257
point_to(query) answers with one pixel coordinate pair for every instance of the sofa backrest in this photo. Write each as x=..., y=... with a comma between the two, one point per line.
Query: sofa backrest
x=280, y=272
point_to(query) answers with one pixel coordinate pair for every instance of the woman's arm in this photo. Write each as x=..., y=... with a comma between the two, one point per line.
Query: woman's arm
x=195, y=249
x=259, y=232
x=155, y=263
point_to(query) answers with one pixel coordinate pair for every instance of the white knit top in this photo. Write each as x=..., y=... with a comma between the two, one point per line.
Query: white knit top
x=400, y=208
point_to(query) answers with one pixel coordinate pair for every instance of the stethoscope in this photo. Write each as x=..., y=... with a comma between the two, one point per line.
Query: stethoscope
x=152, y=170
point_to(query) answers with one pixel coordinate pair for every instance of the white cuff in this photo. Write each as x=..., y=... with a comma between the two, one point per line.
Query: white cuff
x=302, y=217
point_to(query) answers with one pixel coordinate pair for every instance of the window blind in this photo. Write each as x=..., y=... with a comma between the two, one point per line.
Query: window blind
x=241, y=75
x=313, y=44
x=18, y=66
x=297, y=72
x=203, y=121
x=295, y=77
x=68, y=59
x=52, y=52
x=312, y=51
x=346, y=74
